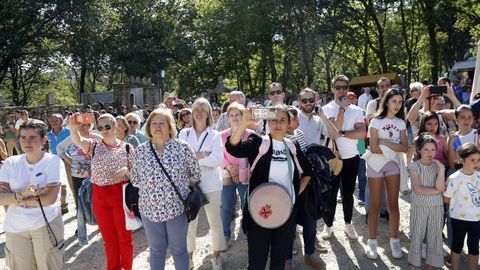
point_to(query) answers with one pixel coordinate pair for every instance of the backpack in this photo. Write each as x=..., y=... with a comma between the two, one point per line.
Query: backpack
x=266, y=145
x=320, y=185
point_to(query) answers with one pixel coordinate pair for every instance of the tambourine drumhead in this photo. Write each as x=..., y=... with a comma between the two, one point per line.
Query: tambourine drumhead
x=270, y=205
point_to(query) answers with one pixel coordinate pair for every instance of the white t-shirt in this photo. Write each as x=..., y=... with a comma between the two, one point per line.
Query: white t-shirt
x=279, y=167
x=363, y=100
x=388, y=129
x=19, y=173
x=353, y=114
x=371, y=107
x=464, y=193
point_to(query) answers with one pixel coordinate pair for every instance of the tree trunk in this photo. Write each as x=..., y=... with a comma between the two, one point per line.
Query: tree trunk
x=428, y=7
x=83, y=74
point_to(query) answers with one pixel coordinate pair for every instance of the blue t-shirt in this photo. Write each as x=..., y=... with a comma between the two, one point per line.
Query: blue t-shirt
x=53, y=140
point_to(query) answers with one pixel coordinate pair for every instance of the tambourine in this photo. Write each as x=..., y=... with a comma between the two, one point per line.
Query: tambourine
x=270, y=205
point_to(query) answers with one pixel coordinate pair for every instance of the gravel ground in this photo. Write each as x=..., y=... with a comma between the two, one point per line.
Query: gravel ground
x=343, y=253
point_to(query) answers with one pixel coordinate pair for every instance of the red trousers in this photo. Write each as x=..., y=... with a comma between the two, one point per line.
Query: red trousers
x=108, y=208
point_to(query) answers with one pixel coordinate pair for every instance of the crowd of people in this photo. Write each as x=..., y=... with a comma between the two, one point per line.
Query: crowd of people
x=405, y=140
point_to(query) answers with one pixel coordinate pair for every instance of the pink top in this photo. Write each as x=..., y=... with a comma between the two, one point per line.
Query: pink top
x=228, y=159
x=440, y=148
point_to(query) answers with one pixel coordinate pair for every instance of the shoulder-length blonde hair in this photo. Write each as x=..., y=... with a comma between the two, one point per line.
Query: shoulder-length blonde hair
x=202, y=103
x=168, y=115
x=180, y=122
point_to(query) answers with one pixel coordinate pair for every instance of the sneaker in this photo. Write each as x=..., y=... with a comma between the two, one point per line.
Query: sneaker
x=319, y=245
x=327, y=232
x=217, y=263
x=371, y=249
x=350, y=231
x=396, y=249
x=64, y=211
x=315, y=263
x=190, y=264
x=339, y=199
x=424, y=251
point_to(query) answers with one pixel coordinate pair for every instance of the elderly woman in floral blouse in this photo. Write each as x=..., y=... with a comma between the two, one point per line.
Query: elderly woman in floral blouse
x=161, y=209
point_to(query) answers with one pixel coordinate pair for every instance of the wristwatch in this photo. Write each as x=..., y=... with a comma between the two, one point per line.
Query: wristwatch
x=342, y=133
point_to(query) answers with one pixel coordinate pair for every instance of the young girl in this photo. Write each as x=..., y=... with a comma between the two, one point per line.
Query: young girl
x=463, y=195
x=430, y=123
x=387, y=133
x=465, y=134
x=427, y=176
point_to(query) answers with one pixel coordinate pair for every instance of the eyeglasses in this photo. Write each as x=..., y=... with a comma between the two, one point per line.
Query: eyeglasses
x=341, y=87
x=278, y=92
x=132, y=122
x=305, y=100
x=184, y=114
x=106, y=127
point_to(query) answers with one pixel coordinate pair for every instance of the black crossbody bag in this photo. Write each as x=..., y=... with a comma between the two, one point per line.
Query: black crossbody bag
x=195, y=199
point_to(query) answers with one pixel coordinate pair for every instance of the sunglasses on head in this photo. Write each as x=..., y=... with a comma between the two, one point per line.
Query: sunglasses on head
x=341, y=87
x=132, y=122
x=273, y=92
x=305, y=100
x=106, y=127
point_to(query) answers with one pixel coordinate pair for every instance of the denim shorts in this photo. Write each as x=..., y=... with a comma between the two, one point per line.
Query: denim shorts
x=391, y=168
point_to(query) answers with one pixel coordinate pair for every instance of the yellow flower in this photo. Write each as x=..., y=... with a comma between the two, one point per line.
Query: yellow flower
x=460, y=183
x=465, y=198
x=462, y=215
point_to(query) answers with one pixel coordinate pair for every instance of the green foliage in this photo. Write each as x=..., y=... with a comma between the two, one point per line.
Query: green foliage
x=71, y=47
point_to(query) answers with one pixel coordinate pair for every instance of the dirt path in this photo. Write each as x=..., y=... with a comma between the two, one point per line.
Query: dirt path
x=343, y=253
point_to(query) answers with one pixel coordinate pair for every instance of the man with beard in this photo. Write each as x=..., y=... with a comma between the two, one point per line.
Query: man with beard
x=313, y=126
x=350, y=122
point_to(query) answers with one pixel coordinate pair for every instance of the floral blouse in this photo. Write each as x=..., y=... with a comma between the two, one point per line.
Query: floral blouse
x=158, y=201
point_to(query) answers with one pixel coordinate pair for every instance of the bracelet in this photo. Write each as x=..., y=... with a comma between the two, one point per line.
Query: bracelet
x=342, y=109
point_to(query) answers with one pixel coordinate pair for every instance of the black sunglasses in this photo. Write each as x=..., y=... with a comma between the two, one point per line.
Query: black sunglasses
x=278, y=92
x=184, y=114
x=305, y=100
x=341, y=87
x=132, y=122
x=106, y=127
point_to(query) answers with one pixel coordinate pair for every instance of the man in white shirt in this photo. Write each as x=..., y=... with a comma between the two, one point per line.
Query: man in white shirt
x=364, y=98
x=349, y=121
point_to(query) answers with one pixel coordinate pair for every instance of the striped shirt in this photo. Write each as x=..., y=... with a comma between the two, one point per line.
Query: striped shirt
x=299, y=137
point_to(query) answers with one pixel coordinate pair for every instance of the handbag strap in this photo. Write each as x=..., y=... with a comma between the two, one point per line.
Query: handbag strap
x=166, y=173
x=51, y=235
x=201, y=144
x=334, y=144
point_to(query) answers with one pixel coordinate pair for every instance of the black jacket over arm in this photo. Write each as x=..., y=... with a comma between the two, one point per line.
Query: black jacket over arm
x=259, y=175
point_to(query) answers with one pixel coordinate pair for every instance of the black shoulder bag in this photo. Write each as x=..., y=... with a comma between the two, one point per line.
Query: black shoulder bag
x=195, y=199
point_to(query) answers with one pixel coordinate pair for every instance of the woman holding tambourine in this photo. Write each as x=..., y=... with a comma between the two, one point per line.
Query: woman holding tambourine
x=276, y=181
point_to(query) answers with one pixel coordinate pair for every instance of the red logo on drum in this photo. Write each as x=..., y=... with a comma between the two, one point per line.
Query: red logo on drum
x=265, y=211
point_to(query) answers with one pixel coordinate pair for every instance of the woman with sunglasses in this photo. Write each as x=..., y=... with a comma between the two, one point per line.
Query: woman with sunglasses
x=184, y=119
x=134, y=127
x=277, y=166
x=207, y=145
x=110, y=163
x=29, y=244
x=123, y=132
